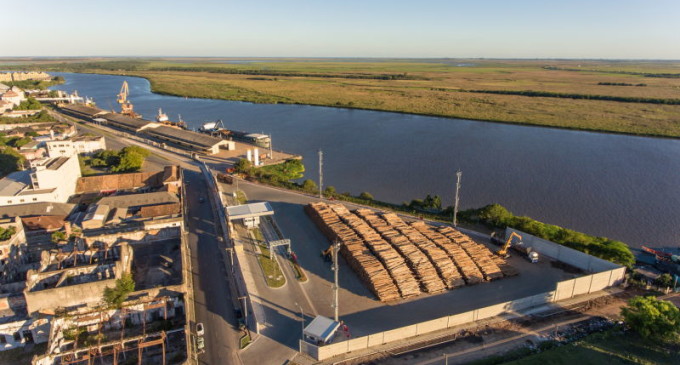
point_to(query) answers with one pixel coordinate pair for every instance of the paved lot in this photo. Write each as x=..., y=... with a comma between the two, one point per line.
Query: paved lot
x=358, y=308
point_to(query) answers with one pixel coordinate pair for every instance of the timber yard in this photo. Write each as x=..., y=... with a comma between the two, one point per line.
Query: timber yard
x=244, y=272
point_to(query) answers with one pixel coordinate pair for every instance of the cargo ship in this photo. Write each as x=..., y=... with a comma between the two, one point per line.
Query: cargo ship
x=217, y=129
x=163, y=119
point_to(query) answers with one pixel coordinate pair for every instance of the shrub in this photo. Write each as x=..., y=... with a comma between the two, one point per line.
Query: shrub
x=366, y=196
x=652, y=318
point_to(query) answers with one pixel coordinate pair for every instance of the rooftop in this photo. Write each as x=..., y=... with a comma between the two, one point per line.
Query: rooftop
x=137, y=200
x=82, y=109
x=15, y=182
x=48, y=222
x=184, y=136
x=127, y=122
x=87, y=138
x=37, y=209
x=55, y=163
x=249, y=210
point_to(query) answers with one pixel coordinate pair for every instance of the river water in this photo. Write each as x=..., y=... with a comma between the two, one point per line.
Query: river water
x=617, y=186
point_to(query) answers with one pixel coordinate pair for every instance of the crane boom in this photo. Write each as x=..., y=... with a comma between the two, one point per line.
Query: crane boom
x=124, y=92
x=504, y=250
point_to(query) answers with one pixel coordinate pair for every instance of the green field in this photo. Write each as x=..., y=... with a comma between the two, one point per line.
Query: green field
x=631, y=97
x=606, y=348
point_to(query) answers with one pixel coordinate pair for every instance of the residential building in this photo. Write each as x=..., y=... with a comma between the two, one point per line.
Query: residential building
x=51, y=180
x=76, y=146
x=13, y=97
x=24, y=75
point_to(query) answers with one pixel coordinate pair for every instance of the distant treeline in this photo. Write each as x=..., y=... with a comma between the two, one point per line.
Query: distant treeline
x=548, y=94
x=619, y=84
x=645, y=74
x=121, y=65
x=236, y=71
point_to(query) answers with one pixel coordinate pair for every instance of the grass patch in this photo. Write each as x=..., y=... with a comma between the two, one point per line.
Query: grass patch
x=241, y=197
x=244, y=341
x=611, y=347
x=430, y=87
x=270, y=267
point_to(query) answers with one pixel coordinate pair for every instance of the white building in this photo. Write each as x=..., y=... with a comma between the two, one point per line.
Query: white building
x=51, y=180
x=12, y=96
x=76, y=146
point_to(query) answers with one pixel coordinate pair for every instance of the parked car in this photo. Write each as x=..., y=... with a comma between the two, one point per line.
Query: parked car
x=200, y=331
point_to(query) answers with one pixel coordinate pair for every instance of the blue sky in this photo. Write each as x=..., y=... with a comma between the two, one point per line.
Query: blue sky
x=623, y=29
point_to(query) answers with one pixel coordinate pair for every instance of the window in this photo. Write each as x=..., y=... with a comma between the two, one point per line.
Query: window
x=21, y=201
x=17, y=336
x=35, y=199
x=3, y=339
x=9, y=202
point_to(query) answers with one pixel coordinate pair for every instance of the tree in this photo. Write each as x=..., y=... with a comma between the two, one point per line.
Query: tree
x=10, y=161
x=29, y=104
x=652, y=318
x=130, y=161
x=114, y=297
x=309, y=186
x=366, y=196
x=664, y=281
x=136, y=149
x=7, y=233
x=58, y=236
x=330, y=191
x=243, y=166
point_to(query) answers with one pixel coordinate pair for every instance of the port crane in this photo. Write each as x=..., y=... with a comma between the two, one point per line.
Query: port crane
x=125, y=105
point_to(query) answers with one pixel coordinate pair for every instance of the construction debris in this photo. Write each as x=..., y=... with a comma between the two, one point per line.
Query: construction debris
x=400, y=260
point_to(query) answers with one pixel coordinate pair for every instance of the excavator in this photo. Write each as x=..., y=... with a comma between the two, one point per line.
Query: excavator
x=125, y=105
x=531, y=254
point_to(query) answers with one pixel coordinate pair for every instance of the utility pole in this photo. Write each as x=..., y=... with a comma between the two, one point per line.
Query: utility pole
x=336, y=287
x=455, y=203
x=320, y=174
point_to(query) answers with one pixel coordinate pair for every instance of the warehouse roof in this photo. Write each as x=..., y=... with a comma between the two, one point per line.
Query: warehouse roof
x=36, y=209
x=128, y=122
x=137, y=200
x=15, y=182
x=188, y=137
x=82, y=109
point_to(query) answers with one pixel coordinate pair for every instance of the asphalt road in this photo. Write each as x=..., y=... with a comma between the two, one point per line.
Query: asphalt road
x=213, y=303
x=212, y=298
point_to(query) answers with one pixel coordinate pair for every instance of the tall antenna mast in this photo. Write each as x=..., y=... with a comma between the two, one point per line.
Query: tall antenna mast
x=455, y=204
x=320, y=174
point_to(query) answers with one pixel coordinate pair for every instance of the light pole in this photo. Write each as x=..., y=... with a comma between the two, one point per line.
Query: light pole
x=455, y=204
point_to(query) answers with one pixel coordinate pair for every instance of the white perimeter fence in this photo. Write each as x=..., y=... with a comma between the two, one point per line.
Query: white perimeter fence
x=605, y=274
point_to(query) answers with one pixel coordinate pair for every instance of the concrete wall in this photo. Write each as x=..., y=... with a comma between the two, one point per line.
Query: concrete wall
x=157, y=232
x=565, y=254
x=16, y=334
x=606, y=275
x=67, y=296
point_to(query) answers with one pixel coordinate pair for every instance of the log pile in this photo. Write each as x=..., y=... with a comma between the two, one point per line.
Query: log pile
x=393, y=261
x=479, y=253
x=357, y=255
x=400, y=260
x=415, y=258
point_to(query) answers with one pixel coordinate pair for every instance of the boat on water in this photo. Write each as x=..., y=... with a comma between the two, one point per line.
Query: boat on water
x=217, y=129
x=664, y=261
x=163, y=119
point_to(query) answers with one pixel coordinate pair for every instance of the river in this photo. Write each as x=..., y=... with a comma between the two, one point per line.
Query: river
x=621, y=187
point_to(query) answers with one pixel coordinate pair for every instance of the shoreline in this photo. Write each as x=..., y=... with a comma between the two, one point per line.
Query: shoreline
x=495, y=121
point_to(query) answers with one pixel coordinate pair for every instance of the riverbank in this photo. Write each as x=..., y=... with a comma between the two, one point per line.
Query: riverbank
x=516, y=92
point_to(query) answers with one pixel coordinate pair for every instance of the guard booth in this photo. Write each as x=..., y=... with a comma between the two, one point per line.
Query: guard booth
x=321, y=331
x=249, y=213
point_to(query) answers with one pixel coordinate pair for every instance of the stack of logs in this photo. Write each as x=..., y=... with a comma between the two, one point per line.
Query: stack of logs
x=401, y=260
